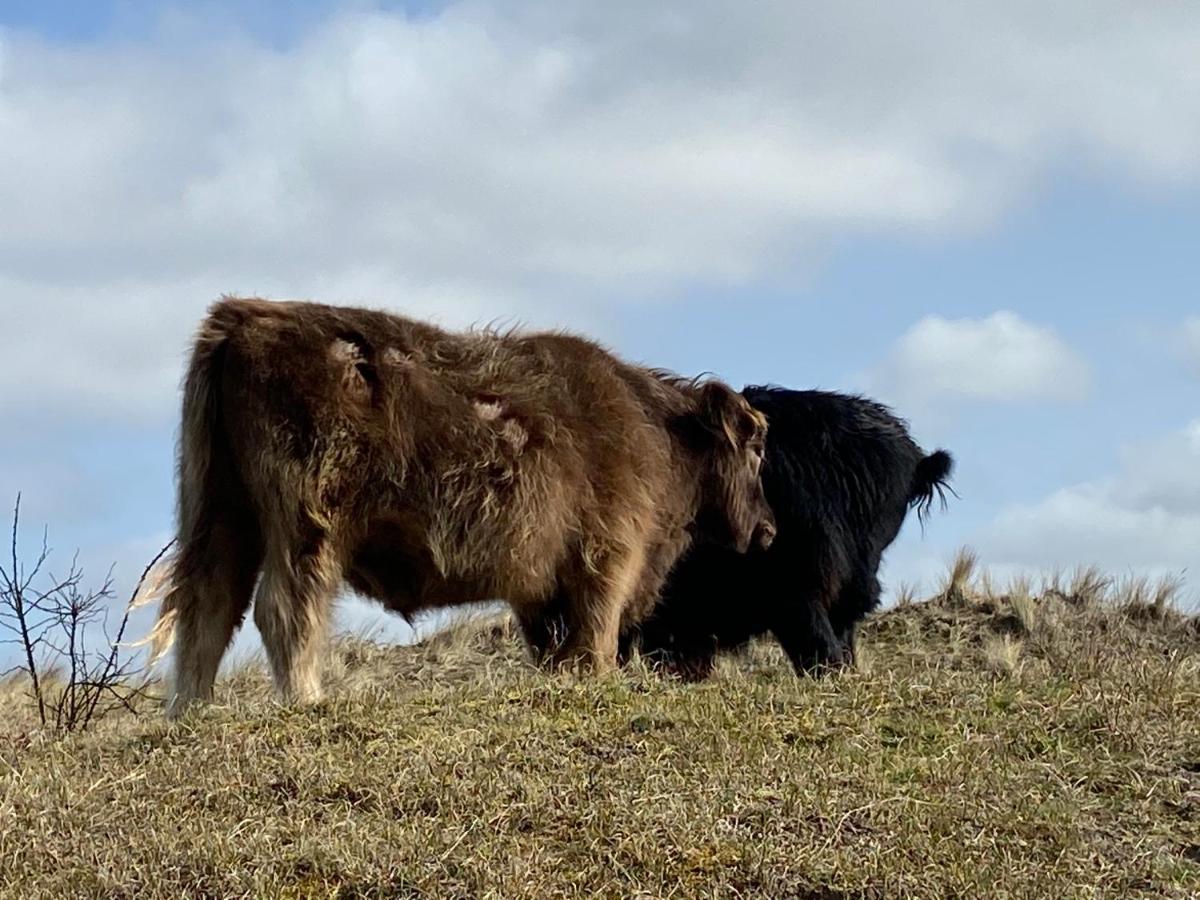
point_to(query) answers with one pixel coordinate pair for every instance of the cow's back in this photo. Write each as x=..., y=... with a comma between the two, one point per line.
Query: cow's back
x=835, y=462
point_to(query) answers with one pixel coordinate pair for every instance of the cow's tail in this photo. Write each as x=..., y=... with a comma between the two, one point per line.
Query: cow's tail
x=203, y=452
x=931, y=479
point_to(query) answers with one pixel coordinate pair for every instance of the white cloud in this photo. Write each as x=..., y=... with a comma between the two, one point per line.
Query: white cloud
x=1145, y=518
x=532, y=159
x=999, y=358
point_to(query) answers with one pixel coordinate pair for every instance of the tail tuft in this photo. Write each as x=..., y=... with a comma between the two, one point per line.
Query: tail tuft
x=156, y=589
x=931, y=479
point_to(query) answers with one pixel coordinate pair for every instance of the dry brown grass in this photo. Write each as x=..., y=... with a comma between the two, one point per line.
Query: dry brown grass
x=1002, y=654
x=1040, y=741
x=957, y=585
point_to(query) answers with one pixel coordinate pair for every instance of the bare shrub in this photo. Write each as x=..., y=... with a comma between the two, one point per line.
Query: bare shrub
x=72, y=682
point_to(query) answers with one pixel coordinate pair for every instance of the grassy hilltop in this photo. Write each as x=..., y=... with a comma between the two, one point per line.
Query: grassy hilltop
x=991, y=743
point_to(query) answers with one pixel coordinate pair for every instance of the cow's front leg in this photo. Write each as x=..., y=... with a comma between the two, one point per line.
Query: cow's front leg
x=674, y=649
x=292, y=610
x=807, y=638
x=594, y=604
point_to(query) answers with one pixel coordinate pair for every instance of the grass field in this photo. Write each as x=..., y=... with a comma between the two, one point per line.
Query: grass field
x=992, y=743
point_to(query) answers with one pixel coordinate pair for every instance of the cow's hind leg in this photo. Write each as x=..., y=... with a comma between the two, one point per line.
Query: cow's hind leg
x=858, y=598
x=692, y=662
x=544, y=629
x=212, y=585
x=292, y=610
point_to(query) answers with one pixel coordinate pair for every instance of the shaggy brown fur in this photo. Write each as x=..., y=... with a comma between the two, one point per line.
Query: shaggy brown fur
x=324, y=445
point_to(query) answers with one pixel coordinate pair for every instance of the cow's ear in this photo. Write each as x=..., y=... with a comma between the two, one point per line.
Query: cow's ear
x=724, y=413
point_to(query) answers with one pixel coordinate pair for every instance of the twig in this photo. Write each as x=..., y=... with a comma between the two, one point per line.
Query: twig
x=15, y=597
x=115, y=645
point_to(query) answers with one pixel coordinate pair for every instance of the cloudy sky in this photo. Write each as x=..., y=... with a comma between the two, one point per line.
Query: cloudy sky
x=984, y=213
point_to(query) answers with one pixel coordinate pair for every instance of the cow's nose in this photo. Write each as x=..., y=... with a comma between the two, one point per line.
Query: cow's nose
x=765, y=534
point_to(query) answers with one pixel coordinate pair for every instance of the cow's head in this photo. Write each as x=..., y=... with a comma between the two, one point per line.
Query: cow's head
x=736, y=510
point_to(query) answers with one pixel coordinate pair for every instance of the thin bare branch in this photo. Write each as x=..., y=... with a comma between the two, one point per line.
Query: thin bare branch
x=110, y=670
x=14, y=598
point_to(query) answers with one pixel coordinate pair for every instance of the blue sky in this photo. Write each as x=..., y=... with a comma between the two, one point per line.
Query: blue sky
x=984, y=214
x=93, y=21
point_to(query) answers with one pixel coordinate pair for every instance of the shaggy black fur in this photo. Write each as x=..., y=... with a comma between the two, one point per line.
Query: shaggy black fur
x=841, y=473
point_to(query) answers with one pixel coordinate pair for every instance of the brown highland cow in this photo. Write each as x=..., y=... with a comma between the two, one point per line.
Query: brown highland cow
x=324, y=445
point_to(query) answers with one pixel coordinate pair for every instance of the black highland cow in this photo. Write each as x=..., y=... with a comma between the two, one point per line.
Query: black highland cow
x=841, y=473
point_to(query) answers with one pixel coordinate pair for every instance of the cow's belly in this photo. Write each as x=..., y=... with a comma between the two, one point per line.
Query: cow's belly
x=390, y=566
